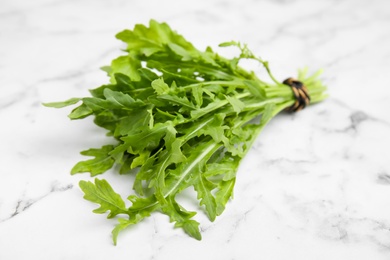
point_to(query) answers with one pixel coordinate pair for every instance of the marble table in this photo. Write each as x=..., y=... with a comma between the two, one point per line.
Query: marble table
x=315, y=185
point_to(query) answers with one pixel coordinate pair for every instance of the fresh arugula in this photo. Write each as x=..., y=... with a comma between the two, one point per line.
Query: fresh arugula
x=181, y=118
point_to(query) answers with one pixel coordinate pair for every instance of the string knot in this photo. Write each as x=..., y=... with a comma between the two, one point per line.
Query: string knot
x=302, y=98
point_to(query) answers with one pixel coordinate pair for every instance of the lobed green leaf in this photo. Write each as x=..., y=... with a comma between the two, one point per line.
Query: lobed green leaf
x=204, y=189
x=102, y=193
x=100, y=164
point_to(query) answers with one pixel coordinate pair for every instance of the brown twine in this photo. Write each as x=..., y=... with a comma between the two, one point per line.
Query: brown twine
x=302, y=98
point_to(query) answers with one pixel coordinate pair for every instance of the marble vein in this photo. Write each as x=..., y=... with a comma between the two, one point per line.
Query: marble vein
x=25, y=203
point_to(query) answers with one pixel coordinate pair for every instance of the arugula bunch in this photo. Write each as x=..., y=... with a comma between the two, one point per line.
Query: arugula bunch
x=181, y=118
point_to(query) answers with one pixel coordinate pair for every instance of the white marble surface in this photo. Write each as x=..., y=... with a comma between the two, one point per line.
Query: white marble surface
x=316, y=185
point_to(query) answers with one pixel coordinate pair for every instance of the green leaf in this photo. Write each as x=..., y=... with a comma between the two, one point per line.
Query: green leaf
x=186, y=55
x=178, y=101
x=106, y=69
x=192, y=129
x=80, y=112
x=227, y=44
x=204, y=188
x=123, y=224
x=216, y=128
x=181, y=217
x=217, y=103
x=127, y=65
x=126, y=163
x=96, y=105
x=175, y=153
x=136, y=121
x=185, y=173
x=226, y=168
x=102, y=194
x=140, y=160
x=146, y=173
x=65, y=103
x=191, y=227
x=256, y=88
x=172, y=155
x=148, y=41
x=268, y=113
x=107, y=120
x=216, y=132
x=142, y=206
x=121, y=100
x=223, y=195
x=197, y=93
x=237, y=105
x=160, y=86
x=100, y=164
x=148, y=139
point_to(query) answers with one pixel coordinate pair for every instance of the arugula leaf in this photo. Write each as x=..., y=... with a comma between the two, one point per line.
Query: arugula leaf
x=102, y=194
x=224, y=194
x=101, y=163
x=127, y=65
x=182, y=217
x=237, y=105
x=160, y=86
x=61, y=104
x=123, y=224
x=80, y=112
x=204, y=188
x=136, y=121
x=181, y=118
